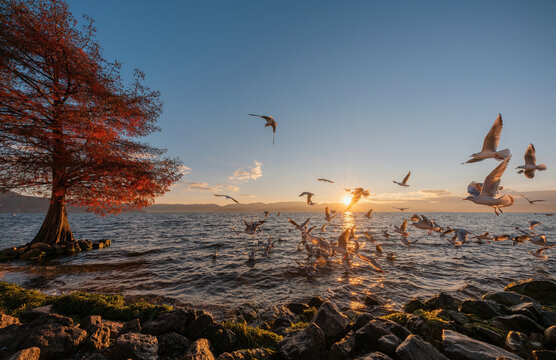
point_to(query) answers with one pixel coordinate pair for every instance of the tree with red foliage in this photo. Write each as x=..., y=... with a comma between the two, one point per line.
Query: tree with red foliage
x=67, y=120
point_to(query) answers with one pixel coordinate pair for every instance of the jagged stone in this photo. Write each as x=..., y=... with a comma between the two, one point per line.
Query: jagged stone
x=172, y=321
x=306, y=344
x=388, y=344
x=413, y=305
x=316, y=302
x=342, y=349
x=172, y=345
x=461, y=347
x=442, y=301
x=530, y=309
x=224, y=339
x=32, y=353
x=199, y=350
x=400, y=331
x=91, y=321
x=202, y=327
x=415, y=348
x=482, y=308
x=372, y=300
x=507, y=298
x=114, y=326
x=367, y=336
x=99, y=337
x=136, y=346
x=7, y=320
x=518, y=322
x=519, y=343
x=331, y=322
x=543, y=291
x=297, y=308
x=131, y=326
x=248, y=354
x=361, y=320
x=54, y=340
x=248, y=312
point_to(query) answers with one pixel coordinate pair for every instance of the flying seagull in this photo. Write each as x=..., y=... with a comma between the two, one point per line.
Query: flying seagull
x=530, y=163
x=530, y=201
x=533, y=223
x=327, y=216
x=369, y=213
x=326, y=180
x=404, y=181
x=401, y=209
x=485, y=194
x=356, y=195
x=227, y=197
x=309, y=196
x=490, y=144
x=269, y=122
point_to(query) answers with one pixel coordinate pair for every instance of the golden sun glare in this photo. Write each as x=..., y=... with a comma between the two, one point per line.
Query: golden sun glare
x=347, y=199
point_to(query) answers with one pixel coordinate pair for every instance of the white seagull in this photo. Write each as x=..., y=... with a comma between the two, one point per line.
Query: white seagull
x=327, y=216
x=325, y=180
x=531, y=201
x=485, y=194
x=404, y=181
x=269, y=122
x=309, y=196
x=356, y=195
x=530, y=163
x=490, y=144
x=227, y=197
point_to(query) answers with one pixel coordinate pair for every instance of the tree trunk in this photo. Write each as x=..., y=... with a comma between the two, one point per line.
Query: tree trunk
x=55, y=228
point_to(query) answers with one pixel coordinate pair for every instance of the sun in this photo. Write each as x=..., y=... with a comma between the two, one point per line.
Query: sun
x=347, y=199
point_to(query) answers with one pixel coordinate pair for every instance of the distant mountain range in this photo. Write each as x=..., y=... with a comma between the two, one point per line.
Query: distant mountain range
x=15, y=203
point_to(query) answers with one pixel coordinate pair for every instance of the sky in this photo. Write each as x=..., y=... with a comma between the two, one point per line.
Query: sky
x=362, y=91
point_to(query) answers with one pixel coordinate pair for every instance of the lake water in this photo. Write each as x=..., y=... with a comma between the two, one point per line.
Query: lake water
x=171, y=255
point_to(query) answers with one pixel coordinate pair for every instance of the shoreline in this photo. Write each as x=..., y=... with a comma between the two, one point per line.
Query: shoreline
x=517, y=322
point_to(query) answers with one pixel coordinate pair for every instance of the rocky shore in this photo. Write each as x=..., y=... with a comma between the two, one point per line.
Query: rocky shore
x=517, y=323
x=38, y=251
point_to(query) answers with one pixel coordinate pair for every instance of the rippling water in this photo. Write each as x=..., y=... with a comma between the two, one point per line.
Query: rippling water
x=171, y=255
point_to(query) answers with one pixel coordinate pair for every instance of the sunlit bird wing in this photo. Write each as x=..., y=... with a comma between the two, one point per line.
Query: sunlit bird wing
x=530, y=155
x=492, y=181
x=404, y=181
x=493, y=137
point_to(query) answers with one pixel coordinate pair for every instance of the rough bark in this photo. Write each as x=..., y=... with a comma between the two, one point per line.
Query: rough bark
x=55, y=227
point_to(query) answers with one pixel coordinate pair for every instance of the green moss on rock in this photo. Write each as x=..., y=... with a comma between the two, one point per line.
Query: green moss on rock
x=14, y=299
x=113, y=307
x=249, y=337
x=308, y=314
x=399, y=317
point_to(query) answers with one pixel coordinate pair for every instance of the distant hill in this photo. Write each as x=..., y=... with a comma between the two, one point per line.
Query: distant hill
x=11, y=202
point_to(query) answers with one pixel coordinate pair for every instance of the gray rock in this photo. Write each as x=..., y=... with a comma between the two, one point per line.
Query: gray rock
x=536, y=341
x=482, y=333
x=481, y=308
x=91, y=321
x=519, y=343
x=442, y=301
x=518, y=322
x=26, y=354
x=372, y=301
x=342, y=349
x=199, y=350
x=258, y=354
x=316, y=302
x=248, y=312
x=400, y=331
x=54, y=340
x=7, y=320
x=461, y=347
x=550, y=337
x=306, y=344
x=548, y=318
x=530, y=309
x=415, y=348
x=543, y=291
x=115, y=328
x=367, y=337
x=297, y=308
x=99, y=337
x=224, y=339
x=131, y=326
x=361, y=321
x=455, y=316
x=173, y=321
x=201, y=326
x=388, y=344
x=413, y=305
x=507, y=298
x=172, y=345
x=136, y=346
x=375, y=356
x=331, y=322
x=544, y=355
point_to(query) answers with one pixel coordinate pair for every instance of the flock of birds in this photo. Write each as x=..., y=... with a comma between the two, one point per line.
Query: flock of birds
x=321, y=251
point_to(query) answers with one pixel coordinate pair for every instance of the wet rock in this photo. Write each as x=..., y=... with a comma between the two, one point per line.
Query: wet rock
x=102, y=243
x=536, y=341
x=224, y=339
x=203, y=326
x=331, y=322
x=99, y=337
x=9, y=254
x=316, y=302
x=342, y=349
x=297, y=308
x=199, y=350
x=26, y=354
x=131, y=326
x=550, y=337
x=544, y=355
x=32, y=254
x=377, y=355
x=388, y=344
x=400, y=331
x=482, y=308
x=461, y=347
x=482, y=333
x=415, y=348
x=530, y=309
x=414, y=304
x=276, y=312
x=307, y=344
x=7, y=320
x=136, y=346
x=507, y=298
x=248, y=354
x=361, y=321
x=518, y=322
x=172, y=345
x=367, y=337
x=442, y=301
x=519, y=343
x=372, y=301
x=548, y=318
x=248, y=312
x=85, y=245
x=54, y=340
x=428, y=327
x=543, y=291
x=455, y=316
x=172, y=321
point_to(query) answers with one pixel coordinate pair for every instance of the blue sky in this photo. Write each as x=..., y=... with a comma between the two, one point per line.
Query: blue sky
x=362, y=91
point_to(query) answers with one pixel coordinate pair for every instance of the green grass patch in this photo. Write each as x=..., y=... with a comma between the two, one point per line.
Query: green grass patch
x=399, y=317
x=14, y=299
x=249, y=337
x=112, y=307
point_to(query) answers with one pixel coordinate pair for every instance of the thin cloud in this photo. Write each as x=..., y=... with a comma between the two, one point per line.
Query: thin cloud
x=248, y=195
x=184, y=170
x=203, y=186
x=253, y=173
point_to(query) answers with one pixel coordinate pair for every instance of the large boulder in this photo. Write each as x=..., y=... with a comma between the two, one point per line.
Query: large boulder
x=461, y=347
x=99, y=337
x=415, y=348
x=202, y=327
x=332, y=323
x=306, y=344
x=519, y=343
x=518, y=322
x=342, y=349
x=548, y=318
x=413, y=305
x=400, y=331
x=388, y=344
x=248, y=354
x=377, y=355
x=540, y=290
x=550, y=337
x=507, y=298
x=442, y=301
x=26, y=354
x=199, y=350
x=172, y=345
x=532, y=310
x=172, y=321
x=7, y=320
x=482, y=308
x=136, y=346
x=361, y=320
x=544, y=355
x=367, y=337
x=54, y=340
